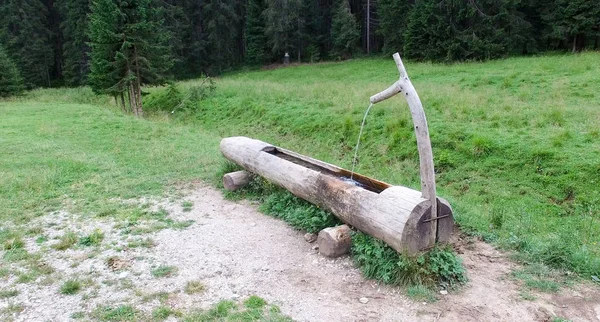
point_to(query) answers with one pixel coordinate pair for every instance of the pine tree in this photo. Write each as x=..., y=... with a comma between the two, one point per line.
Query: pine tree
x=104, y=33
x=75, y=49
x=393, y=19
x=464, y=30
x=11, y=82
x=129, y=48
x=56, y=38
x=344, y=31
x=26, y=36
x=195, y=59
x=311, y=34
x=283, y=23
x=256, y=42
x=221, y=26
x=573, y=20
x=178, y=23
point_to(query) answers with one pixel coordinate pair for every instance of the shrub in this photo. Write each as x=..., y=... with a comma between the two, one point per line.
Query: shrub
x=11, y=82
x=172, y=99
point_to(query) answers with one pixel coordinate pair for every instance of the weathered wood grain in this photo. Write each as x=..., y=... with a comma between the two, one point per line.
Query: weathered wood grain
x=397, y=215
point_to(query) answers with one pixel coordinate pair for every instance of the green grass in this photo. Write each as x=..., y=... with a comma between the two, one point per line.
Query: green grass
x=161, y=313
x=143, y=242
x=421, y=293
x=164, y=271
x=70, y=287
x=439, y=266
x=254, y=302
x=516, y=145
x=8, y=293
x=193, y=287
x=541, y=278
x=254, y=309
x=117, y=314
x=93, y=239
x=187, y=206
x=66, y=241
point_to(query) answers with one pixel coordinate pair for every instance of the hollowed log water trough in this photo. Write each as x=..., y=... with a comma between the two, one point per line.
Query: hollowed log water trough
x=406, y=219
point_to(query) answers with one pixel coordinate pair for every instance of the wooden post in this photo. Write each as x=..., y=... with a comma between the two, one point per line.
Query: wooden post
x=421, y=130
x=236, y=180
x=335, y=241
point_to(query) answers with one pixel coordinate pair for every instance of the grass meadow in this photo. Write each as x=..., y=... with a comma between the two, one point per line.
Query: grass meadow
x=516, y=143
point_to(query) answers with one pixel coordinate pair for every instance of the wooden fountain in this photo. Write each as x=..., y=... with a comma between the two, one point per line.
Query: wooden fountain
x=408, y=220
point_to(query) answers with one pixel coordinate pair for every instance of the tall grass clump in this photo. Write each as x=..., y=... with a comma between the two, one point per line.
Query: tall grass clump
x=438, y=267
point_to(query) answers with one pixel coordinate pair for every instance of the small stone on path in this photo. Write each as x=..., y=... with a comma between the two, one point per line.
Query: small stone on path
x=443, y=292
x=363, y=300
x=310, y=237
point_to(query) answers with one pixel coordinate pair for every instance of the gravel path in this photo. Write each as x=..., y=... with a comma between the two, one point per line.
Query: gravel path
x=235, y=251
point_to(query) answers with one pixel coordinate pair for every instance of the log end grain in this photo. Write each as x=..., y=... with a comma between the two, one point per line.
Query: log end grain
x=334, y=241
x=236, y=180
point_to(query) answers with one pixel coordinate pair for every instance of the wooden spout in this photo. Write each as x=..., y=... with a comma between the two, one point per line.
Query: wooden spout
x=404, y=85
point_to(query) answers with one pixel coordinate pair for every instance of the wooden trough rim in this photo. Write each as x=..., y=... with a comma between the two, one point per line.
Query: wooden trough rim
x=329, y=169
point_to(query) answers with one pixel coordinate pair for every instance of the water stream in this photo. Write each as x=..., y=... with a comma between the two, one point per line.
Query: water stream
x=358, y=141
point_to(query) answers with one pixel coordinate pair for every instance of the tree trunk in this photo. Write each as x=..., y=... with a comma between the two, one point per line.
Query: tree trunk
x=123, y=103
x=132, y=99
x=138, y=88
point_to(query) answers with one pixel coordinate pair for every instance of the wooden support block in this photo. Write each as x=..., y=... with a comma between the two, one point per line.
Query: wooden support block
x=334, y=241
x=236, y=180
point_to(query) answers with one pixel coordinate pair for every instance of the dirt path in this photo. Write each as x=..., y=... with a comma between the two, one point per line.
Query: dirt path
x=239, y=251
x=236, y=251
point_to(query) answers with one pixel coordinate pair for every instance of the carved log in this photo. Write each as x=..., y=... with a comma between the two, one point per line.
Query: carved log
x=399, y=216
x=236, y=180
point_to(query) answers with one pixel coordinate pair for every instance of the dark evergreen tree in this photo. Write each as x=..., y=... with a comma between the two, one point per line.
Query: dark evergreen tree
x=75, y=49
x=105, y=25
x=393, y=19
x=345, y=34
x=129, y=48
x=195, y=59
x=462, y=30
x=256, y=41
x=26, y=36
x=283, y=23
x=177, y=22
x=312, y=34
x=573, y=20
x=221, y=26
x=56, y=39
x=11, y=82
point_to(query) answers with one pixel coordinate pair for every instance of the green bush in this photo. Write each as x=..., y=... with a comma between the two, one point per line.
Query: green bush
x=172, y=99
x=11, y=82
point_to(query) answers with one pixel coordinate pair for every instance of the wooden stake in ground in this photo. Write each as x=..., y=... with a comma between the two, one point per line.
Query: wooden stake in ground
x=334, y=241
x=236, y=180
